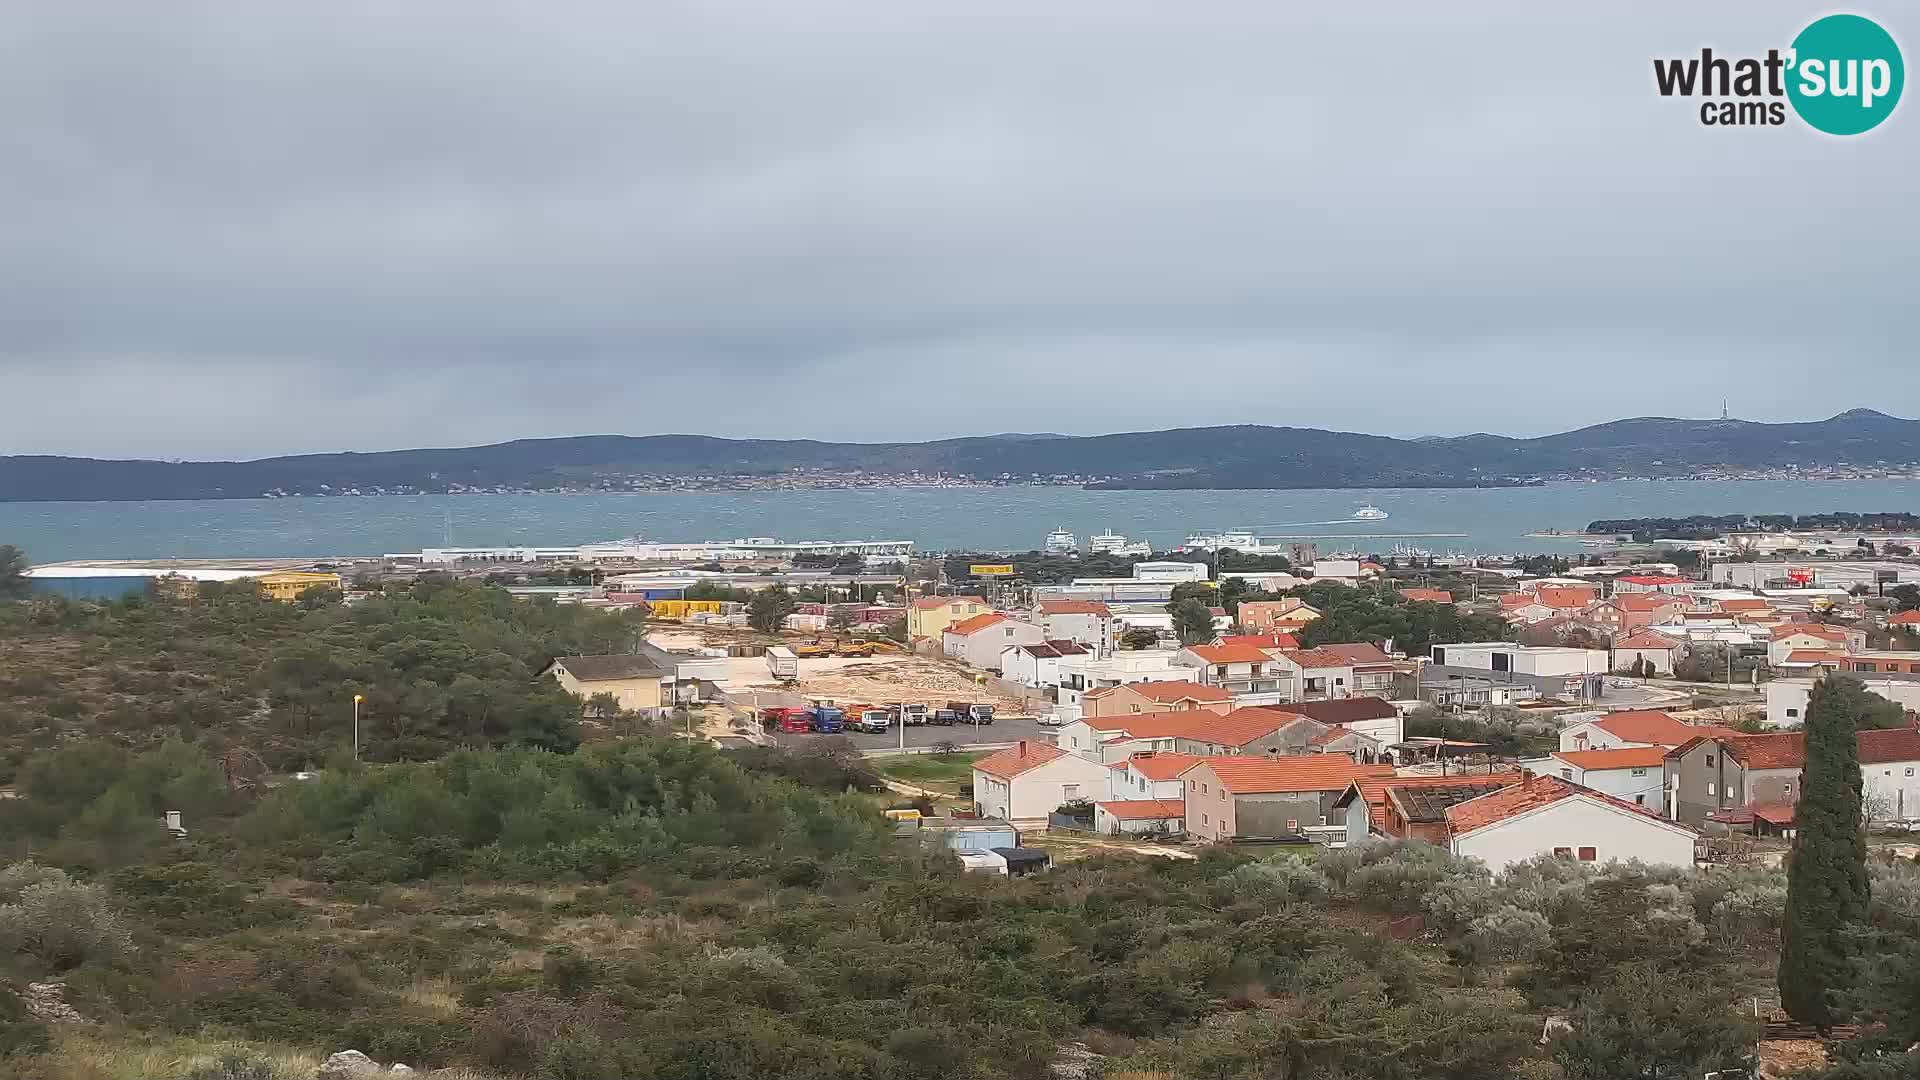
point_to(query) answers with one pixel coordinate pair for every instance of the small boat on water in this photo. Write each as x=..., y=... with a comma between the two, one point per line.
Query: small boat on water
x=1369, y=512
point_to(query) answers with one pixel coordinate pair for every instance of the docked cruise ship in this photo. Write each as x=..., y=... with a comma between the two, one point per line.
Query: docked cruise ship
x=1061, y=542
x=634, y=549
x=1112, y=543
x=1238, y=539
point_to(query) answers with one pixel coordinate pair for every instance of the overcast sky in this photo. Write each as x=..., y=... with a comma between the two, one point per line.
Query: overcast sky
x=227, y=230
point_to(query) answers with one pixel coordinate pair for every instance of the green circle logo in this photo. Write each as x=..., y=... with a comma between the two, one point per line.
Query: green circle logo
x=1846, y=74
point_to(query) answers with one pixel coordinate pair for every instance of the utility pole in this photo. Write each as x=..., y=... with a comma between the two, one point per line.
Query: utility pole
x=356, y=727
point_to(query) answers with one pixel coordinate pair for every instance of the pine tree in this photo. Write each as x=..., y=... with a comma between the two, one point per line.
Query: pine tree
x=1827, y=869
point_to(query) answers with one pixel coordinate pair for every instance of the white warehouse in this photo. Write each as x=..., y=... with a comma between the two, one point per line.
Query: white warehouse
x=1522, y=659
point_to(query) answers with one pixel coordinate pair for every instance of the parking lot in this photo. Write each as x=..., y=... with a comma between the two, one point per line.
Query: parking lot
x=1000, y=731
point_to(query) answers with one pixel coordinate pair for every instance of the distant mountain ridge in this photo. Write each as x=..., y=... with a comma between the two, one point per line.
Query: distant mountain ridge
x=1241, y=456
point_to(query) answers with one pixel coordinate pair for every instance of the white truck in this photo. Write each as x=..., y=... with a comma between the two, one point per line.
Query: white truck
x=781, y=663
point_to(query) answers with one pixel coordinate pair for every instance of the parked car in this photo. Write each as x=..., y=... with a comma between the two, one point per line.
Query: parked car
x=1048, y=719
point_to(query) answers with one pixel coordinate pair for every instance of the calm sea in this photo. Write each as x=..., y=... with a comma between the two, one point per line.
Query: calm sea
x=1487, y=520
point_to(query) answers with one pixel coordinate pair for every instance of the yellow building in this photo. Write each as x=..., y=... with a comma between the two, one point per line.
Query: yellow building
x=633, y=681
x=930, y=616
x=287, y=585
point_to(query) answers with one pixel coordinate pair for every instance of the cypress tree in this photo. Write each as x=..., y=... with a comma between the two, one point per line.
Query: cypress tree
x=1827, y=869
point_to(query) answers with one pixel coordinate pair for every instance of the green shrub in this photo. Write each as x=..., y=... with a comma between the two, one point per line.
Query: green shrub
x=236, y=1066
x=61, y=923
x=20, y=1033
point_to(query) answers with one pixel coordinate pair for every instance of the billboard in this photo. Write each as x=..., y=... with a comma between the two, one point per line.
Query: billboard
x=991, y=569
x=1886, y=577
x=1800, y=575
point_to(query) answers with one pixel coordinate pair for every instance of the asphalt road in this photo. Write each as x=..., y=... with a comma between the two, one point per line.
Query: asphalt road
x=1000, y=731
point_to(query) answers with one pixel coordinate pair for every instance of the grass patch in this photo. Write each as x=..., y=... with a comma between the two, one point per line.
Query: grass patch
x=946, y=772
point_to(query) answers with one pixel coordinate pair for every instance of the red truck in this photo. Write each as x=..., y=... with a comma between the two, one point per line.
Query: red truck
x=789, y=720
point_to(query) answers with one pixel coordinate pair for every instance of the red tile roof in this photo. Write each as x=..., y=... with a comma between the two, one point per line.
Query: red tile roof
x=1326, y=656
x=1905, y=618
x=1228, y=654
x=1373, y=789
x=1295, y=772
x=1743, y=604
x=1021, y=757
x=1626, y=757
x=1159, y=764
x=1431, y=596
x=1775, y=814
x=1531, y=794
x=1889, y=744
x=1337, y=711
x=1773, y=750
x=1241, y=726
x=1047, y=649
x=976, y=624
x=1518, y=600
x=1566, y=597
x=1652, y=726
x=1830, y=633
x=1646, y=639
x=1361, y=652
x=1644, y=601
x=1074, y=607
x=1815, y=656
x=1278, y=639
x=1146, y=809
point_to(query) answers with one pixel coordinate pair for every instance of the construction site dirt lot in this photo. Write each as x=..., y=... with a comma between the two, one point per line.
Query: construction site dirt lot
x=877, y=680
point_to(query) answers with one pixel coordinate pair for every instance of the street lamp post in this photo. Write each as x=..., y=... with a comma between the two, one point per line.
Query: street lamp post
x=356, y=726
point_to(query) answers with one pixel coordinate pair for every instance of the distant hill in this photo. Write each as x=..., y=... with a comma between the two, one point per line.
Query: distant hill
x=1244, y=456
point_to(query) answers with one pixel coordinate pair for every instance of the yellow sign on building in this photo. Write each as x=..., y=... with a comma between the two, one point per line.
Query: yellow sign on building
x=991, y=569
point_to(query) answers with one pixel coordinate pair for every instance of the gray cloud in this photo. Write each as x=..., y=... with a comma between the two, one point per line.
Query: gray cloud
x=237, y=230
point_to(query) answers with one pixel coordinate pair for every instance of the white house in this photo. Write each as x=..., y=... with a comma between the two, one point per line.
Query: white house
x=1115, y=817
x=1657, y=650
x=1029, y=780
x=1037, y=665
x=977, y=642
x=1150, y=775
x=1546, y=815
x=1789, y=638
x=1088, y=622
x=1079, y=674
x=1787, y=698
x=1635, y=774
x=1239, y=669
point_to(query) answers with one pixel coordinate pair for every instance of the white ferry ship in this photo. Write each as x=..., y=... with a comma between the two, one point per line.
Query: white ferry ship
x=1369, y=512
x=1061, y=542
x=1112, y=543
x=1238, y=539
